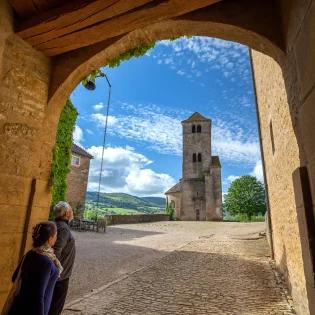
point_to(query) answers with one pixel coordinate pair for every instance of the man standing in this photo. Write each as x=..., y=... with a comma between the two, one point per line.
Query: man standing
x=65, y=252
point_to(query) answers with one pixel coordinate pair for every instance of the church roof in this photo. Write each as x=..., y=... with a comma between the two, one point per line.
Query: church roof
x=216, y=162
x=174, y=189
x=78, y=150
x=196, y=117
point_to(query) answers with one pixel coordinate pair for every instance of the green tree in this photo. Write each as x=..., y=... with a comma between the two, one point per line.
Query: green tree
x=245, y=196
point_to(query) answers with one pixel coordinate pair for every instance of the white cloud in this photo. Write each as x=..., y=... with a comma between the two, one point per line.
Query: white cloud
x=224, y=57
x=180, y=72
x=90, y=132
x=126, y=171
x=101, y=119
x=77, y=135
x=98, y=107
x=147, y=182
x=258, y=171
x=129, y=148
x=232, y=178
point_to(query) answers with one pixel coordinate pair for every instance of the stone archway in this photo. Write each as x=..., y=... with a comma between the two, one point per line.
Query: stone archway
x=34, y=88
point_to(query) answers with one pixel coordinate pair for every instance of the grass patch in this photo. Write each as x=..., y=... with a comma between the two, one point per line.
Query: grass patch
x=243, y=218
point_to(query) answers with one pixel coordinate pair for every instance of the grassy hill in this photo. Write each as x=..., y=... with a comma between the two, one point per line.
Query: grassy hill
x=157, y=200
x=120, y=203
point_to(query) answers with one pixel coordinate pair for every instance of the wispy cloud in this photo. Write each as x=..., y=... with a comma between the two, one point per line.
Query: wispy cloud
x=160, y=129
x=228, y=59
x=90, y=132
x=98, y=107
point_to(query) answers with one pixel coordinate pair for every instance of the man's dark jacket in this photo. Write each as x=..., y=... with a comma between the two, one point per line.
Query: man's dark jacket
x=65, y=248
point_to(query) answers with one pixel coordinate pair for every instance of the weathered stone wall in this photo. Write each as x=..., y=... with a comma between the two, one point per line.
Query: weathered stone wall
x=135, y=218
x=192, y=190
x=77, y=182
x=176, y=198
x=280, y=164
x=24, y=82
x=196, y=143
x=217, y=213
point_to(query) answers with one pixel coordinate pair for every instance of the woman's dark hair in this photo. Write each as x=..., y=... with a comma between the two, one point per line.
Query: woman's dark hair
x=42, y=232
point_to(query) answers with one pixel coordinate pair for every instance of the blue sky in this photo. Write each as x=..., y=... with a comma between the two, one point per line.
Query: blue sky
x=151, y=95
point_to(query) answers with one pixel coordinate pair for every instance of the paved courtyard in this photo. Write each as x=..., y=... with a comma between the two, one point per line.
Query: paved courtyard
x=175, y=268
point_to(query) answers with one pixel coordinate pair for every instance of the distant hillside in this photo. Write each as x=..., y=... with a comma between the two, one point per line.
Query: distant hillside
x=157, y=200
x=120, y=203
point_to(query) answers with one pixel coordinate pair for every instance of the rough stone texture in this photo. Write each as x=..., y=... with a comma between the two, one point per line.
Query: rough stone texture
x=24, y=81
x=200, y=200
x=189, y=268
x=198, y=142
x=77, y=182
x=273, y=107
x=135, y=218
x=174, y=199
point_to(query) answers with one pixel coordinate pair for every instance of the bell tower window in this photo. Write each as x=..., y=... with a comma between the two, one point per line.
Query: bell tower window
x=193, y=129
x=199, y=157
x=194, y=158
x=198, y=129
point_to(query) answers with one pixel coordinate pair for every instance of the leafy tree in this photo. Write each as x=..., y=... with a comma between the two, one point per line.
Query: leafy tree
x=246, y=196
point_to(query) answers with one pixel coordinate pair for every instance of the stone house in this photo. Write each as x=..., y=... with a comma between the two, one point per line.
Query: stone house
x=78, y=178
x=198, y=195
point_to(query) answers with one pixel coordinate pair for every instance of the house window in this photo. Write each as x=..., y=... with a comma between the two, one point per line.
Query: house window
x=173, y=204
x=194, y=158
x=75, y=160
x=272, y=139
x=199, y=157
x=193, y=129
x=198, y=129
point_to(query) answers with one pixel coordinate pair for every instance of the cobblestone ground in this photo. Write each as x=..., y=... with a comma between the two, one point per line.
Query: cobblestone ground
x=213, y=274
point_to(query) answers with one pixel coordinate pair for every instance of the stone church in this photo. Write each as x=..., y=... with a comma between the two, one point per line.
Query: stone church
x=198, y=195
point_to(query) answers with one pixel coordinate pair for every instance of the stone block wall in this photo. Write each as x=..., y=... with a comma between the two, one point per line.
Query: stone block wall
x=135, y=218
x=77, y=182
x=280, y=161
x=190, y=201
x=217, y=214
x=24, y=83
x=176, y=198
x=196, y=143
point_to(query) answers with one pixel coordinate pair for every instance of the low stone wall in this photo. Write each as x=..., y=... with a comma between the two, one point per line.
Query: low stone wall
x=135, y=218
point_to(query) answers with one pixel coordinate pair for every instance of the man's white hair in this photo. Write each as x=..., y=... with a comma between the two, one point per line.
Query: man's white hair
x=60, y=209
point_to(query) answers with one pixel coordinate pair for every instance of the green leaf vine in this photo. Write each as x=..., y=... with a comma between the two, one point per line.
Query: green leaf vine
x=62, y=152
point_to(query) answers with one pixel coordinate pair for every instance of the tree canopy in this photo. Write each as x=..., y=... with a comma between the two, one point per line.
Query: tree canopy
x=246, y=196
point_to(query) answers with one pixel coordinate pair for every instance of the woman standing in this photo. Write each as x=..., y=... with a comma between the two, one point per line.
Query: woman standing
x=37, y=274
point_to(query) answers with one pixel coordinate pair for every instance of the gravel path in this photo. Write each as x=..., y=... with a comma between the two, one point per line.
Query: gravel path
x=103, y=258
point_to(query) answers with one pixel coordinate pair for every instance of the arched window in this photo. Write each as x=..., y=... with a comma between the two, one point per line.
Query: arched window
x=198, y=128
x=199, y=157
x=193, y=129
x=173, y=204
x=194, y=158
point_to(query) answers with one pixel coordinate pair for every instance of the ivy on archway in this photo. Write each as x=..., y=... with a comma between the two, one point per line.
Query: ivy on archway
x=62, y=153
